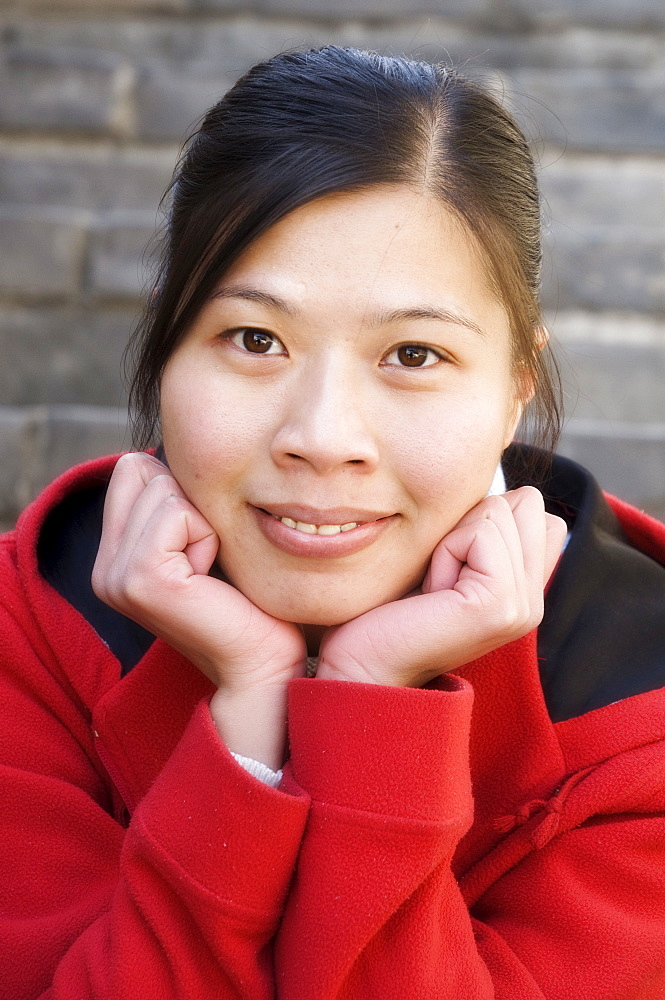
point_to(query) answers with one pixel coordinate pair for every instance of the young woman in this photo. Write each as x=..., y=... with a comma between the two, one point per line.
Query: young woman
x=301, y=736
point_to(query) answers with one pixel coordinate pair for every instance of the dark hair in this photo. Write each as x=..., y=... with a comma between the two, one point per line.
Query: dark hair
x=305, y=124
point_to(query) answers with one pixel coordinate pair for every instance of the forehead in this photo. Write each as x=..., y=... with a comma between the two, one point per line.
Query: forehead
x=383, y=247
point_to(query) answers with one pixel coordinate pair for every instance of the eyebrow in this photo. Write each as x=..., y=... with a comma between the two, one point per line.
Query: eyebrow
x=376, y=319
x=256, y=295
x=426, y=312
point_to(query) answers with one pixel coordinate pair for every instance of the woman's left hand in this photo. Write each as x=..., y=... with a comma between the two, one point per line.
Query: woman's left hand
x=484, y=588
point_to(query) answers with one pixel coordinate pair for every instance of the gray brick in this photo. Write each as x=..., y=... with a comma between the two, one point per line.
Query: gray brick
x=170, y=101
x=65, y=89
x=41, y=254
x=582, y=191
x=38, y=443
x=614, y=329
x=233, y=43
x=614, y=382
x=568, y=47
x=11, y=436
x=627, y=460
x=72, y=434
x=637, y=13
x=100, y=177
x=616, y=268
x=604, y=220
x=63, y=355
x=118, y=263
x=595, y=109
x=356, y=8
x=103, y=6
x=230, y=46
x=131, y=35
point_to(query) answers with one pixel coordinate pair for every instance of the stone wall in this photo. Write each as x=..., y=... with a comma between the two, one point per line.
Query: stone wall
x=96, y=95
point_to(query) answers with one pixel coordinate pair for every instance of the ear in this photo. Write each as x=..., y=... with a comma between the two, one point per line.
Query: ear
x=514, y=417
x=524, y=386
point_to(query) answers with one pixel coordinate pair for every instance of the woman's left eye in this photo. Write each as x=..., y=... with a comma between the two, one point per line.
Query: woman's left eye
x=256, y=341
x=413, y=356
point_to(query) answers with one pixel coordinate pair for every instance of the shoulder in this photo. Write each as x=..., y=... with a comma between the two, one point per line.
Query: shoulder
x=644, y=532
x=601, y=639
x=39, y=626
x=572, y=492
x=19, y=548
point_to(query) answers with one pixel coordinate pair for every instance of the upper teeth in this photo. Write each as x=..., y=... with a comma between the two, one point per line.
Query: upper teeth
x=317, y=529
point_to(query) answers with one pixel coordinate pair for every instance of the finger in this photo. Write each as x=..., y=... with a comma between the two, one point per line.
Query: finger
x=556, y=533
x=488, y=563
x=130, y=477
x=137, y=488
x=528, y=510
x=443, y=570
x=446, y=565
x=498, y=510
x=152, y=560
x=139, y=529
x=202, y=552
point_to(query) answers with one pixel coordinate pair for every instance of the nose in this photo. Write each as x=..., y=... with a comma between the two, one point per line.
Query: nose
x=326, y=422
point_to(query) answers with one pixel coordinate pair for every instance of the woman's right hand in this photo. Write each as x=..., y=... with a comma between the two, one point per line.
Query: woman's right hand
x=154, y=558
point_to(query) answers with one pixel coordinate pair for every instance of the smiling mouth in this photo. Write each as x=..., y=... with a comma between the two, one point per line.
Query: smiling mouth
x=316, y=529
x=329, y=532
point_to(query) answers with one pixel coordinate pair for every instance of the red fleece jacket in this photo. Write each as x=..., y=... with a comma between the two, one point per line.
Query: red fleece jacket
x=448, y=843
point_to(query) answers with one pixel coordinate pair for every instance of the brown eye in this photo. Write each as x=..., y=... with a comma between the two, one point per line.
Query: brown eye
x=256, y=341
x=413, y=356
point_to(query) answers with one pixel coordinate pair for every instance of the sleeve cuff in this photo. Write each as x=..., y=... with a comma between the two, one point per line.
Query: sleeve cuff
x=387, y=750
x=236, y=837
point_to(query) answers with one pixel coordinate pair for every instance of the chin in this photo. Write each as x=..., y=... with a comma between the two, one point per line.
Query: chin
x=303, y=610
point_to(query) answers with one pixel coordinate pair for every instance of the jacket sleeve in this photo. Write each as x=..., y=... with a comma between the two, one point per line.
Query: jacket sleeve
x=375, y=906
x=184, y=902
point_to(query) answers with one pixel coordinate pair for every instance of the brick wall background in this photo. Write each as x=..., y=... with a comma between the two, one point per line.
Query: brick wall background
x=95, y=96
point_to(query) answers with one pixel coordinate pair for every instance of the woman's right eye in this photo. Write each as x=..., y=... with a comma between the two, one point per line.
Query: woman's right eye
x=256, y=341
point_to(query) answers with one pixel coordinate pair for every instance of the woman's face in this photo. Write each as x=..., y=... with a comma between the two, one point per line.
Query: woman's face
x=341, y=402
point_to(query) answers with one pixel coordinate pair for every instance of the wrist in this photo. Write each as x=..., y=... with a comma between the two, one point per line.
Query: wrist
x=252, y=722
x=385, y=674
x=337, y=671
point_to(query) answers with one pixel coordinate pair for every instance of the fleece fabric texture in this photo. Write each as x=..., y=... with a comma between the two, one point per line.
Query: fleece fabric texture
x=425, y=844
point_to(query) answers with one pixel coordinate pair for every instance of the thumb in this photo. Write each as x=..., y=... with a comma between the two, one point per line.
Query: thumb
x=444, y=569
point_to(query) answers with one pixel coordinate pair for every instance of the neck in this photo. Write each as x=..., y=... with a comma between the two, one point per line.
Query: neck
x=313, y=634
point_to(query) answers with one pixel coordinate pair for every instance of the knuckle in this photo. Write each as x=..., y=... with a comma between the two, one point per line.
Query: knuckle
x=536, y=615
x=98, y=582
x=165, y=485
x=513, y=618
x=128, y=464
x=125, y=591
x=516, y=618
x=527, y=496
x=493, y=504
x=531, y=493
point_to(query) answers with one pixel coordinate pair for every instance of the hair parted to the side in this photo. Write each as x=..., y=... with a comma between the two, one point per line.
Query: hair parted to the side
x=305, y=124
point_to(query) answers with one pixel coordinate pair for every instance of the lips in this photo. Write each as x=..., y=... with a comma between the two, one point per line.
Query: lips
x=314, y=533
x=321, y=515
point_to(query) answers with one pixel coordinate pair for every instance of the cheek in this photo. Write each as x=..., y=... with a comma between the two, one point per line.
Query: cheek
x=448, y=456
x=202, y=437
x=214, y=420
